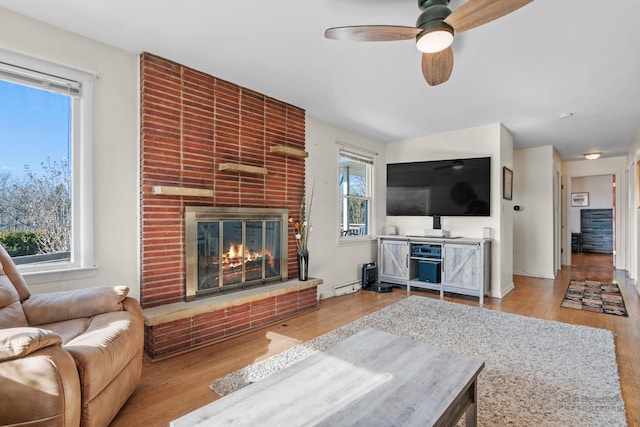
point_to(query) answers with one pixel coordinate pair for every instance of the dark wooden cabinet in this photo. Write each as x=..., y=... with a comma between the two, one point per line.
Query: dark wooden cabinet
x=576, y=243
x=596, y=227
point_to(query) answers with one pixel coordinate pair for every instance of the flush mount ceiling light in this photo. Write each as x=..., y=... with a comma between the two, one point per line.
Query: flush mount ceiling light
x=593, y=155
x=435, y=40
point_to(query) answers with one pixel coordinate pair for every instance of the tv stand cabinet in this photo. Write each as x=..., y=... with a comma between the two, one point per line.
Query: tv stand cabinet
x=465, y=264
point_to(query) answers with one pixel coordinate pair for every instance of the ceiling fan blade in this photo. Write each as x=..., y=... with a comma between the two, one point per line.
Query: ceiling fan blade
x=437, y=67
x=372, y=33
x=479, y=12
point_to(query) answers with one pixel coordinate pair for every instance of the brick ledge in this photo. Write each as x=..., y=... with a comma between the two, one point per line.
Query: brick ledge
x=180, y=310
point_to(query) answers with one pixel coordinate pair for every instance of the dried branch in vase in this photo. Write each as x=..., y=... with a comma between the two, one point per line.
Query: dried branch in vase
x=302, y=225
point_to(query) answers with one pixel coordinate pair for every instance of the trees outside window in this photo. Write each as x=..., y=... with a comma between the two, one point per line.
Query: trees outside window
x=35, y=210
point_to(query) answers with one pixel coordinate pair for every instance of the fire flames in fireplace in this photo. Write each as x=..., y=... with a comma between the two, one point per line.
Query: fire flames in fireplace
x=236, y=257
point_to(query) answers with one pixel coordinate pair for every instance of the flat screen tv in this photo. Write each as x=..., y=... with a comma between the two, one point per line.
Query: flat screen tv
x=457, y=187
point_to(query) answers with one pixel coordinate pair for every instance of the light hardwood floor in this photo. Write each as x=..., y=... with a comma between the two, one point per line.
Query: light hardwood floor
x=176, y=386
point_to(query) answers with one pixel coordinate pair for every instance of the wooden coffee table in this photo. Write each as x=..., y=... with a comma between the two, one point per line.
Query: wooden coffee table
x=370, y=379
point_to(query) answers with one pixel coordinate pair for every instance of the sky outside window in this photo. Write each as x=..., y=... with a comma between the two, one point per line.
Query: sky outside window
x=34, y=126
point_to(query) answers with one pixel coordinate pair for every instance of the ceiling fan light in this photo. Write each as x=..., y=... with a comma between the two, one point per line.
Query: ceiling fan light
x=434, y=40
x=593, y=155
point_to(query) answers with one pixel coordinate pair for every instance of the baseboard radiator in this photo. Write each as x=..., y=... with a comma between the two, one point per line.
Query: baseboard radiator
x=346, y=288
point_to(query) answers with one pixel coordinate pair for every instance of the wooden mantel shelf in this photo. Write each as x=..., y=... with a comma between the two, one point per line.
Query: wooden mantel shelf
x=182, y=191
x=289, y=151
x=237, y=167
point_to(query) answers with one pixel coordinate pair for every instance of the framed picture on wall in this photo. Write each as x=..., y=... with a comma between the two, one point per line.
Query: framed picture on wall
x=507, y=183
x=579, y=199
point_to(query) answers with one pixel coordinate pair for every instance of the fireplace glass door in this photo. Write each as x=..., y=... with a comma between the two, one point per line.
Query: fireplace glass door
x=229, y=249
x=237, y=253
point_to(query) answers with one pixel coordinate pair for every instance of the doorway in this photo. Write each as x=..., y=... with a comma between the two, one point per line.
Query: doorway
x=592, y=214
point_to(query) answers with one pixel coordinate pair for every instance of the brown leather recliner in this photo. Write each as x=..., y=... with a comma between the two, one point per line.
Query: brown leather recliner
x=66, y=358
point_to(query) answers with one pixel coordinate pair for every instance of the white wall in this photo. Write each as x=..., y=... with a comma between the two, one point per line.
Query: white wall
x=115, y=153
x=335, y=263
x=506, y=217
x=633, y=211
x=533, y=224
x=600, y=192
x=604, y=166
x=557, y=211
x=491, y=140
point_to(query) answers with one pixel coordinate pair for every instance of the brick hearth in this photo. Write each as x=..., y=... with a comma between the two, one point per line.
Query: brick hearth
x=179, y=326
x=192, y=122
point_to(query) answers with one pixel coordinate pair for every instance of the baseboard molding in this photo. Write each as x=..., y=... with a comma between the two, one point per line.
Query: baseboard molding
x=534, y=274
x=505, y=290
x=500, y=293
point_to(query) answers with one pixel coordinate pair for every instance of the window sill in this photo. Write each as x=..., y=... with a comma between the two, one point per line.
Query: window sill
x=46, y=276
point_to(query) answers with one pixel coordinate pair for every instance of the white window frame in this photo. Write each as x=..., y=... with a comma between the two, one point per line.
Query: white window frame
x=80, y=85
x=369, y=157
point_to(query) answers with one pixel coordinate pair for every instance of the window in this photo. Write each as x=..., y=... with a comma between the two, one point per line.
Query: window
x=355, y=169
x=45, y=165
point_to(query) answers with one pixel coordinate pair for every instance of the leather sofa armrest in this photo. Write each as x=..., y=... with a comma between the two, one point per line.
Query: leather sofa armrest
x=54, y=307
x=42, y=387
x=133, y=306
x=20, y=342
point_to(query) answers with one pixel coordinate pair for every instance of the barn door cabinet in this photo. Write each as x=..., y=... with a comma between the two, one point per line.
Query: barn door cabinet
x=465, y=264
x=393, y=261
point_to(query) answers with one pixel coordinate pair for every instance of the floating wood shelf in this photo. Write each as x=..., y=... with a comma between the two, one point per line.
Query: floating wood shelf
x=289, y=151
x=237, y=167
x=182, y=191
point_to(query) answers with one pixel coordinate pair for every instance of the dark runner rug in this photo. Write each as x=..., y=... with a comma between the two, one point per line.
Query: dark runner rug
x=595, y=296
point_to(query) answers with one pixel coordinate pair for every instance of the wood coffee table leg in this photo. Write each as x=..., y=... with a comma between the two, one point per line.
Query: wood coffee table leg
x=472, y=409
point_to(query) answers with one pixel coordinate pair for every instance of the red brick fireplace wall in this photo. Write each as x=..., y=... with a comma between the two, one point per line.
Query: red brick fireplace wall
x=190, y=123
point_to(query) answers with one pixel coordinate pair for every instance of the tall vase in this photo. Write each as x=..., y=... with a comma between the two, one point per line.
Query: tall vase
x=303, y=264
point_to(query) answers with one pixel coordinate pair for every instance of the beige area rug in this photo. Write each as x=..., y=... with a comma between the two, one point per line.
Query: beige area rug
x=537, y=372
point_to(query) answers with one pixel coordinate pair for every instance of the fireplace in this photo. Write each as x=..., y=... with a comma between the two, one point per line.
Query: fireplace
x=230, y=249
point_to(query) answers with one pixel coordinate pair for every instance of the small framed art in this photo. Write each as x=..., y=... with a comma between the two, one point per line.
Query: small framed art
x=579, y=199
x=507, y=183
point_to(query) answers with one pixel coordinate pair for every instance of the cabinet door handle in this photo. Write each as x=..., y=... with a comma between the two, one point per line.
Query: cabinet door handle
x=407, y=260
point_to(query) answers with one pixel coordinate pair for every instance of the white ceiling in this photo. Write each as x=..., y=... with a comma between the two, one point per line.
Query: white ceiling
x=523, y=70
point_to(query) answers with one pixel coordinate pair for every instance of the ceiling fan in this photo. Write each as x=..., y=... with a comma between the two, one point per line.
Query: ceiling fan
x=434, y=31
